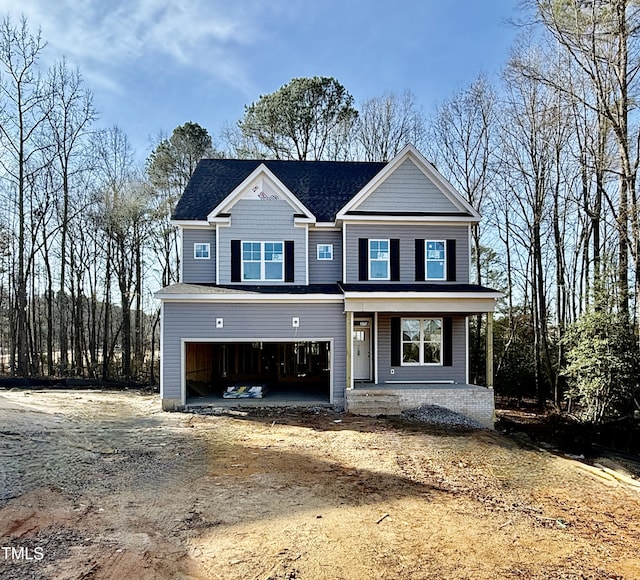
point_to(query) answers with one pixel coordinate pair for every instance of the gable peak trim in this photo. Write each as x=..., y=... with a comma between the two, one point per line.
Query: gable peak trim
x=240, y=192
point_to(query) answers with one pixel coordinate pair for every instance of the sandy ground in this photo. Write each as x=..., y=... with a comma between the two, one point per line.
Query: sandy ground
x=104, y=485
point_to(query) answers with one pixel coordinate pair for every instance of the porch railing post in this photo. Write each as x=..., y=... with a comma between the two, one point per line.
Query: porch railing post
x=349, y=350
x=489, y=367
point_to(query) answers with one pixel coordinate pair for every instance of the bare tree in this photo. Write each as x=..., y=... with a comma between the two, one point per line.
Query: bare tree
x=22, y=115
x=529, y=152
x=115, y=166
x=71, y=114
x=463, y=144
x=602, y=39
x=386, y=124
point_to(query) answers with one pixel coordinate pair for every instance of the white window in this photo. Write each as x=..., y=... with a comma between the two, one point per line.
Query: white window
x=201, y=251
x=325, y=251
x=262, y=261
x=421, y=341
x=379, y=260
x=435, y=259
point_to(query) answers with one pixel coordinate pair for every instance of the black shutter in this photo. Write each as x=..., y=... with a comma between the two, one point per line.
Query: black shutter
x=289, y=261
x=420, y=275
x=236, y=262
x=363, y=259
x=395, y=342
x=394, y=255
x=451, y=260
x=447, y=341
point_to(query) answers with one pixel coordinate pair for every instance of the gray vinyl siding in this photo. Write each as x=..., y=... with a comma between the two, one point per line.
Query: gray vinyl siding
x=457, y=372
x=262, y=221
x=325, y=271
x=407, y=189
x=250, y=322
x=198, y=271
x=407, y=234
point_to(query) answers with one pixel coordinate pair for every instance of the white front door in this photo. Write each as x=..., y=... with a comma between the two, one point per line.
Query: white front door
x=362, y=353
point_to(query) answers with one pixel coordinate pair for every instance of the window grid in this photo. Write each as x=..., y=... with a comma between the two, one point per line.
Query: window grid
x=262, y=261
x=435, y=259
x=325, y=251
x=379, y=260
x=421, y=341
x=201, y=251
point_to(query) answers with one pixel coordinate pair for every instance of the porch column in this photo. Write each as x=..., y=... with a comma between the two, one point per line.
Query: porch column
x=349, y=349
x=489, y=363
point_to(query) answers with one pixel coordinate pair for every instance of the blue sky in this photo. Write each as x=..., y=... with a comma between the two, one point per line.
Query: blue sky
x=156, y=64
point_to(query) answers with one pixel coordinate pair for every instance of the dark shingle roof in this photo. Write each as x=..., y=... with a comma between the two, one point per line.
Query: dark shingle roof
x=322, y=186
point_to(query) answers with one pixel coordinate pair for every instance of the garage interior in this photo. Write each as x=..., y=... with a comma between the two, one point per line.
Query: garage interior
x=295, y=371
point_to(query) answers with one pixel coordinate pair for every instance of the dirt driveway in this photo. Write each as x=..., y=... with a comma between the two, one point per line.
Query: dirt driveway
x=104, y=485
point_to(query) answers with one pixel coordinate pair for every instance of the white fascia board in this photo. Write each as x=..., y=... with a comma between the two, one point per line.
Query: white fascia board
x=222, y=221
x=190, y=223
x=447, y=220
x=300, y=221
x=261, y=170
x=326, y=225
x=253, y=298
x=426, y=295
x=410, y=152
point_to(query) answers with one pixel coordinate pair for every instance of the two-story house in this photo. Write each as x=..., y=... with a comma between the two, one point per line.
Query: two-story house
x=324, y=281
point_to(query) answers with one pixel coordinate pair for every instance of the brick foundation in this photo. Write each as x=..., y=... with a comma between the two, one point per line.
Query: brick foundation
x=470, y=400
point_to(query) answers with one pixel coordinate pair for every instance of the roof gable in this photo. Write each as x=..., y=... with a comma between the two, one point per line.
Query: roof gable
x=260, y=185
x=418, y=193
x=323, y=187
x=409, y=186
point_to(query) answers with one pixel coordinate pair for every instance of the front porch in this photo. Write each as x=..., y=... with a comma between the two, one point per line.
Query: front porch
x=410, y=347
x=472, y=401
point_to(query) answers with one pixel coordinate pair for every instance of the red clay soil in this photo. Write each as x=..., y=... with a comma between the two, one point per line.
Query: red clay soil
x=104, y=485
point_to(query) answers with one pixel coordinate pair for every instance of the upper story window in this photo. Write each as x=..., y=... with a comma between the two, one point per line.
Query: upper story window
x=421, y=341
x=379, y=260
x=325, y=251
x=201, y=251
x=435, y=259
x=262, y=261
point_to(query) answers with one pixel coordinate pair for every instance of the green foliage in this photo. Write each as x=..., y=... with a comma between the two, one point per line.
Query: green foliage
x=602, y=365
x=578, y=17
x=301, y=120
x=172, y=162
x=169, y=168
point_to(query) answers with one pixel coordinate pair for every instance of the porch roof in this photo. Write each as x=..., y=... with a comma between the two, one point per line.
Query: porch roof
x=368, y=297
x=251, y=293
x=419, y=297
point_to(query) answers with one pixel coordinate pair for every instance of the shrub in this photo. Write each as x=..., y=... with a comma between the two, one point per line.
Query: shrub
x=602, y=365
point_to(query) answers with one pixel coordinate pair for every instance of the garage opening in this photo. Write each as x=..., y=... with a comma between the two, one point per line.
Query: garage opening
x=273, y=371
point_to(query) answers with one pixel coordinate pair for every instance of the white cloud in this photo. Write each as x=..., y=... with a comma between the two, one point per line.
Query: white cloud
x=105, y=37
